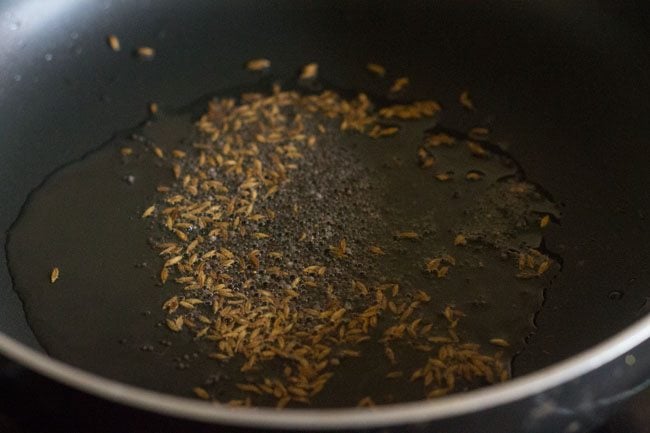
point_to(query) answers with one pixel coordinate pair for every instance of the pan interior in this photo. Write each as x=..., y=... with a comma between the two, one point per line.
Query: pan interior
x=348, y=187
x=567, y=106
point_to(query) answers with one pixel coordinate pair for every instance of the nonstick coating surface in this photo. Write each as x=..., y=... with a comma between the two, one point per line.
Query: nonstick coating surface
x=566, y=86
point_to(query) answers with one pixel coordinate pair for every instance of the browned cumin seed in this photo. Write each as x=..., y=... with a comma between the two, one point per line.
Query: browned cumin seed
x=460, y=239
x=499, y=342
x=54, y=275
x=465, y=100
x=543, y=222
x=478, y=133
x=113, y=42
x=309, y=71
x=376, y=69
x=399, y=84
x=201, y=393
x=474, y=175
x=145, y=53
x=407, y=235
x=148, y=211
x=258, y=64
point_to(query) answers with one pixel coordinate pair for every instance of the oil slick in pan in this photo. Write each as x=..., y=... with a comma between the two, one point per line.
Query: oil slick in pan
x=289, y=248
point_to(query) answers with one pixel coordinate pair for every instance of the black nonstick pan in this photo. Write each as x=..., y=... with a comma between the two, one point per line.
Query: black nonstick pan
x=564, y=84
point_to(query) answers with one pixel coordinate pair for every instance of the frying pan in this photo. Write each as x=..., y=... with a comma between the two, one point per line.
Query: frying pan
x=566, y=81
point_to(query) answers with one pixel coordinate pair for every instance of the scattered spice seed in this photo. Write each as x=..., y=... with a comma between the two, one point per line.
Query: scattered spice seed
x=399, y=85
x=460, y=240
x=258, y=64
x=440, y=139
x=499, y=342
x=476, y=149
x=443, y=177
x=521, y=261
x=407, y=235
x=437, y=392
x=465, y=100
x=164, y=275
x=361, y=287
x=158, y=152
x=415, y=110
x=478, y=133
x=543, y=267
x=433, y=264
x=201, y=393
x=519, y=188
x=366, y=402
x=282, y=403
x=376, y=69
x=373, y=249
x=474, y=175
x=153, y=108
x=390, y=354
x=54, y=275
x=126, y=151
x=544, y=221
x=113, y=42
x=175, y=325
x=177, y=170
x=148, y=211
x=339, y=250
x=351, y=353
x=249, y=387
x=173, y=261
x=145, y=53
x=526, y=275
x=380, y=131
x=309, y=71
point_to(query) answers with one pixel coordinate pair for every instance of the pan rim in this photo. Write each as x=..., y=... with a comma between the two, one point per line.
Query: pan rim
x=311, y=419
